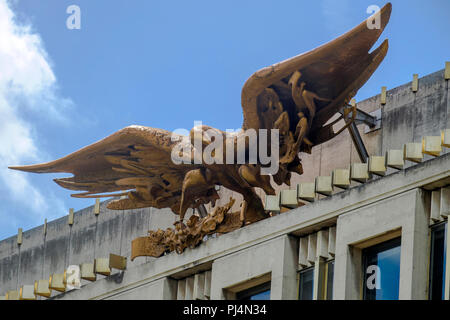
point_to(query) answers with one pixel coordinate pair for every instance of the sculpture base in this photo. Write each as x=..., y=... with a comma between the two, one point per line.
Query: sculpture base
x=187, y=235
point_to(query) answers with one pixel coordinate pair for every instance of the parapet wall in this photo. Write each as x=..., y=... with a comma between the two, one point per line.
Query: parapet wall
x=91, y=236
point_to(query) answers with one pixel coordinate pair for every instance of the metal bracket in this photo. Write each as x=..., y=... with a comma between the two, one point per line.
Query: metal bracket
x=373, y=122
x=375, y=115
x=358, y=142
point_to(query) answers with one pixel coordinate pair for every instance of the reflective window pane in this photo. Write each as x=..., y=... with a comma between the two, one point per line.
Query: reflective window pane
x=261, y=296
x=437, y=262
x=306, y=284
x=382, y=271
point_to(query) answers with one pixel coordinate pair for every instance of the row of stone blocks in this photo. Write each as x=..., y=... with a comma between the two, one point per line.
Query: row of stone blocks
x=440, y=205
x=315, y=246
x=359, y=172
x=60, y=282
x=195, y=287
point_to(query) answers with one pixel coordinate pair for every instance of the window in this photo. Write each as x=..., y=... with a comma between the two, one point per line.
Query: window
x=260, y=292
x=306, y=284
x=381, y=271
x=329, y=280
x=437, y=262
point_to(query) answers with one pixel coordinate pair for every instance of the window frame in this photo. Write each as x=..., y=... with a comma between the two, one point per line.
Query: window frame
x=327, y=295
x=250, y=292
x=303, y=271
x=433, y=229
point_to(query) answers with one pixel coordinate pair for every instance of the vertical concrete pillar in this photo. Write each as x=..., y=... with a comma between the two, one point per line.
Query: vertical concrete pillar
x=347, y=272
x=189, y=292
x=208, y=284
x=169, y=289
x=284, y=271
x=414, y=251
x=199, y=286
x=181, y=289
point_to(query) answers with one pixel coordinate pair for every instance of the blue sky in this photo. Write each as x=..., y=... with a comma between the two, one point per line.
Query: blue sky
x=163, y=64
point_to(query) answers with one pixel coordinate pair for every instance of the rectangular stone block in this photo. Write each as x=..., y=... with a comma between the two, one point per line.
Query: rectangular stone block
x=97, y=206
x=19, y=236
x=394, y=159
x=445, y=202
x=208, y=284
x=189, y=293
x=383, y=95
x=26, y=292
x=181, y=289
x=289, y=198
x=445, y=138
x=322, y=244
x=332, y=241
x=312, y=248
x=306, y=191
x=413, y=152
x=324, y=185
x=415, y=83
x=435, y=206
x=56, y=282
x=41, y=288
x=359, y=172
x=70, y=217
x=101, y=266
x=431, y=145
x=199, y=286
x=87, y=272
x=117, y=262
x=341, y=178
x=303, y=252
x=12, y=295
x=272, y=203
x=377, y=165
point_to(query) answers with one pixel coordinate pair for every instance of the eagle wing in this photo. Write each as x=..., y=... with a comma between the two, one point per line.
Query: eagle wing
x=135, y=160
x=334, y=71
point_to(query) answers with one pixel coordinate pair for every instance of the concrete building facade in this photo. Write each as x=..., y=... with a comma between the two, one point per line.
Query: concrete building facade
x=335, y=247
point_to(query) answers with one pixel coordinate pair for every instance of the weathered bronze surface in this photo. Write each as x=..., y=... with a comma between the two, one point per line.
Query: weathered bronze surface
x=298, y=97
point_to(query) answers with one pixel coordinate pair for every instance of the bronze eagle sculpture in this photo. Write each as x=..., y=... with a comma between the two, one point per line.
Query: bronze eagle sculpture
x=297, y=97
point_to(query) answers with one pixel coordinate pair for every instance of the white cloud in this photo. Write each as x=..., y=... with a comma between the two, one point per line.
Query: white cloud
x=27, y=85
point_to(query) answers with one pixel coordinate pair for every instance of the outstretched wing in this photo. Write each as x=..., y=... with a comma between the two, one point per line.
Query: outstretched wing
x=135, y=160
x=334, y=71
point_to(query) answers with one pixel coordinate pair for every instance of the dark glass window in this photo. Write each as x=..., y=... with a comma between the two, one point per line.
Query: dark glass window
x=381, y=271
x=306, y=284
x=260, y=292
x=330, y=278
x=437, y=262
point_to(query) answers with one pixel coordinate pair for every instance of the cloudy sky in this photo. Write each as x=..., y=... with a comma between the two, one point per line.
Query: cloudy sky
x=162, y=64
